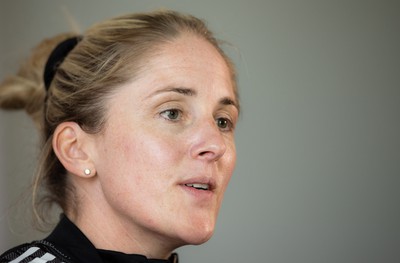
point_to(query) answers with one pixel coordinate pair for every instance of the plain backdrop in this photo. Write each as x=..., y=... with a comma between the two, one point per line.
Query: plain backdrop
x=318, y=172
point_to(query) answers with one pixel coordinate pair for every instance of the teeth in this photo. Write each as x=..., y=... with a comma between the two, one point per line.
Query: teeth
x=199, y=186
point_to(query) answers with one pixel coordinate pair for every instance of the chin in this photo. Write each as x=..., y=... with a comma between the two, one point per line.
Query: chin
x=199, y=235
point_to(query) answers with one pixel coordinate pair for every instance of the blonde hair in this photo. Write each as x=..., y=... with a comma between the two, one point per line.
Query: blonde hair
x=110, y=54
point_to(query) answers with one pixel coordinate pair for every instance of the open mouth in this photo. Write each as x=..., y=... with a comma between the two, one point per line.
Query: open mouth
x=199, y=186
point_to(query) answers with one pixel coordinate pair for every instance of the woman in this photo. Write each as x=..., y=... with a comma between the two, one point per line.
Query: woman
x=138, y=119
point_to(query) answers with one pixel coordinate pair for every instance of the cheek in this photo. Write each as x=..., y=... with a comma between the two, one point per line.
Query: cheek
x=229, y=160
x=150, y=153
x=227, y=166
x=139, y=157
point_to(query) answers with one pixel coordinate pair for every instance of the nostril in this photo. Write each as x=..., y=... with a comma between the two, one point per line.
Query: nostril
x=212, y=155
x=203, y=153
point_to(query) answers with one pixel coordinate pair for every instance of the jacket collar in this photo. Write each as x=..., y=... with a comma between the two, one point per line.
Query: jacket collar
x=70, y=240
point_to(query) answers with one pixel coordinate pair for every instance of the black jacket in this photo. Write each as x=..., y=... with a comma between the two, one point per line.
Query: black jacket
x=69, y=245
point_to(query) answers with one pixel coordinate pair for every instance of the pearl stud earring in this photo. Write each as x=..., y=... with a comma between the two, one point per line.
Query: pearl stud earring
x=87, y=171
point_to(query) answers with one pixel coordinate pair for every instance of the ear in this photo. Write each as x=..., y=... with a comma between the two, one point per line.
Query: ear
x=70, y=144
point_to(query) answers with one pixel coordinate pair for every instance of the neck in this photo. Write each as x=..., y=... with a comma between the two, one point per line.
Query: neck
x=108, y=231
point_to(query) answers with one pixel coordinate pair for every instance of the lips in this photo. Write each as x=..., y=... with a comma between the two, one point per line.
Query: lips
x=199, y=186
x=202, y=184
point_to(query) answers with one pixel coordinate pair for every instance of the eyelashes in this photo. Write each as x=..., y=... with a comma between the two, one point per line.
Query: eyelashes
x=174, y=115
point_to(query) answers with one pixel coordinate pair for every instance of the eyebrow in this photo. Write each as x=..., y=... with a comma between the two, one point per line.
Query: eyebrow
x=191, y=92
x=180, y=90
x=228, y=101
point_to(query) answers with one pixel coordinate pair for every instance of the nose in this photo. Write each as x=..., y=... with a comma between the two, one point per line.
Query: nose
x=207, y=142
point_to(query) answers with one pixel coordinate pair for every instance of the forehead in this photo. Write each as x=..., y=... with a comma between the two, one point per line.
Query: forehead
x=187, y=62
x=190, y=58
x=188, y=46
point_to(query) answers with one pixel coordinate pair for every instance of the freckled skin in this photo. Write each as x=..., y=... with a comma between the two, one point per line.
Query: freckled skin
x=143, y=156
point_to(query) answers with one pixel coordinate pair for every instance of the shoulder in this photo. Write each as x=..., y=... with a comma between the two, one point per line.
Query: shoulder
x=37, y=251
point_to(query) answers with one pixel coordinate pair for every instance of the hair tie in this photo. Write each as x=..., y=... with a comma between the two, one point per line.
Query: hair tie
x=56, y=57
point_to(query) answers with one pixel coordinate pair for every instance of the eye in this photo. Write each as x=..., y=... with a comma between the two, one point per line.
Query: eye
x=171, y=114
x=224, y=124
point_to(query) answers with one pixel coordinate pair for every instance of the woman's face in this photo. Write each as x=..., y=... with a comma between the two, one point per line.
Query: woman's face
x=167, y=151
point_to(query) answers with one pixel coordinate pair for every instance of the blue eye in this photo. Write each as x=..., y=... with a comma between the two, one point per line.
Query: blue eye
x=171, y=114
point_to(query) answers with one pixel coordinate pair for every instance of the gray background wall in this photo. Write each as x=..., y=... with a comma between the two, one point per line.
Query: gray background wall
x=318, y=174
